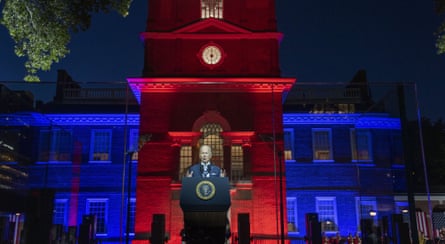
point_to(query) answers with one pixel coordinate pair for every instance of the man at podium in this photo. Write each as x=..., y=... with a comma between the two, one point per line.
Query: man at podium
x=202, y=231
x=205, y=169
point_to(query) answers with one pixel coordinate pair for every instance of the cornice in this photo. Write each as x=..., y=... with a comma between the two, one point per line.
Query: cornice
x=36, y=119
x=220, y=30
x=203, y=85
x=93, y=119
x=212, y=36
x=380, y=121
x=218, y=24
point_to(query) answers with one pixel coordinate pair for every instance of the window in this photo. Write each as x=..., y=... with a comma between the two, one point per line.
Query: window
x=237, y=166
x=55, y=145
x=185, y=160
x=98, y=208
x=100, y=146
x=60, y=212
x=211, y=9
x=132, y=212
x=361, y=145
x=397, y=149
x=346, y=108
x=211, y=136
x=292, y=223
x=133, y=145
x=327, y=213
x=44, y=145
x=288, y=144
x=321, y=144
x=61, y=145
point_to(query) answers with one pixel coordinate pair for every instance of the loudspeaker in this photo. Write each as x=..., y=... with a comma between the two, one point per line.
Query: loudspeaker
x=158, y=229
x=313, y=228
x=311, y=217
x=243, y=228
x=87, y=229
x=397, y=218
x=85, y=234
x=404, y=233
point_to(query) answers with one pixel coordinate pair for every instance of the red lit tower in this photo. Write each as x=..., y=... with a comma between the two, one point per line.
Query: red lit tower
x=211, y=76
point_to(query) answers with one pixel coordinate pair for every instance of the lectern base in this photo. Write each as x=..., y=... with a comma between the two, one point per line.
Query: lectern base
x=205, y=235
x=205, y=219
x=205, y=203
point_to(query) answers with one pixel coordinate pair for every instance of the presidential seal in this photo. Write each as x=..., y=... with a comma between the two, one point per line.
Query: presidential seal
x=205, y=190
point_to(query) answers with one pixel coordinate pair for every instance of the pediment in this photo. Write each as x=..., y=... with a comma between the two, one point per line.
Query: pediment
x=211, y=26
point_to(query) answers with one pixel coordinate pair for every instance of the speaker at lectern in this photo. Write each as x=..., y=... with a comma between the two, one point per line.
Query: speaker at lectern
x=205, y=201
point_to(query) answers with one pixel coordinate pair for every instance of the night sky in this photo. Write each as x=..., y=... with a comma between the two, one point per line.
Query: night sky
x=324, y=41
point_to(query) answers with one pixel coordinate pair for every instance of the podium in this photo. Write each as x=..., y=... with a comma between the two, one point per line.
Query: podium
x=205, y=194
x=205, y=202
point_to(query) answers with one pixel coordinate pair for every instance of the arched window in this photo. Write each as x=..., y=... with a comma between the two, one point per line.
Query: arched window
x=211, y=9
x=211, y=135
x=227, y=146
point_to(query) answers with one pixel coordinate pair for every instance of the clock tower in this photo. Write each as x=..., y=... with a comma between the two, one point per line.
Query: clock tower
x=211, y=76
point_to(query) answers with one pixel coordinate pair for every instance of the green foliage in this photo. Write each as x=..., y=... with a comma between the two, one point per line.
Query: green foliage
x=440, y=33
x=41, y=29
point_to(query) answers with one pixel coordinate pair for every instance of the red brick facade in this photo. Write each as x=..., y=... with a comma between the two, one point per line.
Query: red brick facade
x=179, y=93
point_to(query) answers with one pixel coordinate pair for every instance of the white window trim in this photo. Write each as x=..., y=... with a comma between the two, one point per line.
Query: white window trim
x=292, y=143
x=133, y=148
x=65, y=214
x=133, y=200
x=331, y=149
x=92, y=146
x=53, y=146
x=87, y=211
x=295, y=214
x=334, y=200
x=368, y=133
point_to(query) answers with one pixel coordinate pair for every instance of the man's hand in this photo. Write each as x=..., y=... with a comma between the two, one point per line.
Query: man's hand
x=189, y=173
x=222, y=173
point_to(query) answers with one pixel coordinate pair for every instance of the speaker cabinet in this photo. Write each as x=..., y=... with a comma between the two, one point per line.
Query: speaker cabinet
x=313, y=228
x=87, y=229
x=158, y=229
x=243, y=228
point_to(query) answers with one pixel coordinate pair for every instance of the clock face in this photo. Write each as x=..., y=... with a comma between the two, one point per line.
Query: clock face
x=211, y=55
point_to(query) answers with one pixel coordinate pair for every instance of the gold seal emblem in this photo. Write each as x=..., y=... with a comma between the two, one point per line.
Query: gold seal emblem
x=205, y=190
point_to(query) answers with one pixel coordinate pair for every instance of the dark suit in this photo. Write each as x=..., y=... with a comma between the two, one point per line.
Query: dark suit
x=198, y=171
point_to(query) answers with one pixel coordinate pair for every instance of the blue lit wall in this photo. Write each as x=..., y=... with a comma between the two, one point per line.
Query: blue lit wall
x=342, y=178
x=94, y=180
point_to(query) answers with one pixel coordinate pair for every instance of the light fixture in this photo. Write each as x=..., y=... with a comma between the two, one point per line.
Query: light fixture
x=372, y=213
